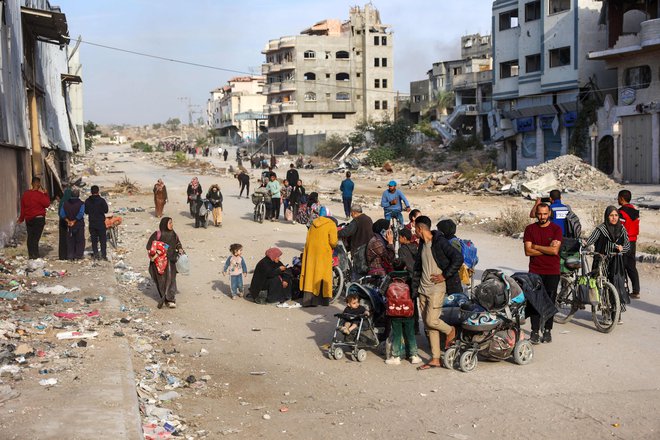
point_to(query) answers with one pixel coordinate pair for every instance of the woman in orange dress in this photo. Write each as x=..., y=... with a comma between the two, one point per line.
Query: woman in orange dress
x=160, y=197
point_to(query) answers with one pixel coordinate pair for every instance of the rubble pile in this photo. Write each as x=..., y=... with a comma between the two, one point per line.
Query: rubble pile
x=572, y=174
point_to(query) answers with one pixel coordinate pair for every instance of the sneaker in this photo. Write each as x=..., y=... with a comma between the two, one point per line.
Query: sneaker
x=394, y=361
x=534, y=338
x=415, y=360
x=294, y=305
x=171, y=305
x=620, y=320
x=282, y=305
x=234, y=297
x=634, y=295
x=547, y=336
x=294, y=222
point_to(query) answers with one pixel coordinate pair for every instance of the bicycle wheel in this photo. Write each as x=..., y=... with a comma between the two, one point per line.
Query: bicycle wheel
x=337, y=284
x=566, y=306
x=606, y=313
x=262, y=212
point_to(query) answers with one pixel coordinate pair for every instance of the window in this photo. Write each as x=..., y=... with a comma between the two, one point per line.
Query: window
x=342, y=76
x=377, y=83
x=560, y=57
x=376, y=40
x=457, y=70
x=343, y=96
x=309, y=76
x=376, y=62
x=310, y=96
x=307, y=115
x=339, y=116
x=533, y=11
x=383, y=41
x=637, y=77
x=556, y=6
x=309, y=54
x=377, y=105
x=533, y=63
x=358, y=52
x=359, y=74
x=384, y=105
x=509, y=69
x=383, y=62
x=327, y=76
x=509, y=19
x=384, y=82
x=342, y=55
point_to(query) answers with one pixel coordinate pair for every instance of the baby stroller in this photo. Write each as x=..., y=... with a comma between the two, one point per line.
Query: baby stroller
x=371, y=329
x=490, y=325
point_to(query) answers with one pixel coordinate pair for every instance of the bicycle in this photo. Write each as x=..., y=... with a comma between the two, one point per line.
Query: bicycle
x=341, y=271
x=605, y=305
x=259, y=201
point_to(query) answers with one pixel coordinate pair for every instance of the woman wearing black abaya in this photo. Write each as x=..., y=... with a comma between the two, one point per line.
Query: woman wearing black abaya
x=164, y=248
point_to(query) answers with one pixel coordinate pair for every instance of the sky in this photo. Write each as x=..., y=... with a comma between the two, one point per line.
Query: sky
x=123, y=88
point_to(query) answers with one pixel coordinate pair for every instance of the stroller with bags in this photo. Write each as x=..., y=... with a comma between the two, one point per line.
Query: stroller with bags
x=490, y=324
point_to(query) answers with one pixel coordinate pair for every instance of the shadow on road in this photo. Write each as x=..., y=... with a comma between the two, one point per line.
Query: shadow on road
x=645, y=307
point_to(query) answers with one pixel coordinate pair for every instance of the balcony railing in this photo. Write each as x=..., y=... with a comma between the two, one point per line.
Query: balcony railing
x=287, y=85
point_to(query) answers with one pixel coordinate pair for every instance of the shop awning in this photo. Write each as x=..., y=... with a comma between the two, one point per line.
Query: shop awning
x=48, y=26
x=71, y=79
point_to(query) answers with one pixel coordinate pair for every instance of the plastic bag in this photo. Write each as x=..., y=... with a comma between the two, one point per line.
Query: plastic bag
x=288, y=214
x=183, y=264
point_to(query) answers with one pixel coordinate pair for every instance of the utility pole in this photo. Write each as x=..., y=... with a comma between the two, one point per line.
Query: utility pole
x=190, y=107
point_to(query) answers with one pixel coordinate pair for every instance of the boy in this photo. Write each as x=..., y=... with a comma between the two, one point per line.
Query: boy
x=630, y=218
x=403, y=329
x=237, y=270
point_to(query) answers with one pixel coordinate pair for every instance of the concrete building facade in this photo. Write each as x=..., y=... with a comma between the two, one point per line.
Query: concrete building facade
x=540, y=73
x=626, y=136
x=327, y=79
x=240, y=95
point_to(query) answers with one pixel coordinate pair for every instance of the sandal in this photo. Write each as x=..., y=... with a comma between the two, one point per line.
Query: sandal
x=427, y=367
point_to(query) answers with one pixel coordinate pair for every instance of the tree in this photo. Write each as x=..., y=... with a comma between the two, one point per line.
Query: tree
x=173, y=124
x=156, y=126
x=91, y=129
x=443, y=101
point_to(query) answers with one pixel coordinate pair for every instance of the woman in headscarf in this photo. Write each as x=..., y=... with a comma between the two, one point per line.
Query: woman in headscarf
x=316, y=275
x=160, y=197
x=313, y=208
x=163, y=249
x=271, y=281
x=194, y=190
x=63, y=228
x=214, y=196
x=380, y=249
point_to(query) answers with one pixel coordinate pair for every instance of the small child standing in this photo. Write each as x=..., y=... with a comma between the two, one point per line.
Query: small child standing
x=353, y=308
x=237, y=269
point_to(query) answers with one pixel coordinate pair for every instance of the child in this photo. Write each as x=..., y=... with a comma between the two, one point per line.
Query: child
x=237, y=270
x=403, y=329
x=407, y=249
x=353, y=308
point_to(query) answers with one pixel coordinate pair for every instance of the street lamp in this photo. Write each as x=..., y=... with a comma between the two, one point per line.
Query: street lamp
x=616, y=131
x=593, y=133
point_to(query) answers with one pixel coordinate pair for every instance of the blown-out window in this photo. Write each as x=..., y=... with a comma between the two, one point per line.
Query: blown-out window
x=343, y=96
x=342, y=55
x=637, y=77
x=342, y=76
x=309, y=76
x=310, y=96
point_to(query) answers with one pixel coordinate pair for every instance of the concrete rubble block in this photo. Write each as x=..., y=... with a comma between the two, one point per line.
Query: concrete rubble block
x=542, y=185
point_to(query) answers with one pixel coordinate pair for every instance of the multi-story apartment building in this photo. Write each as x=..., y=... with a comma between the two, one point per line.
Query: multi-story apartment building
x=241, y=94
x=325, y=80
x=541, y=71
x=626, y=138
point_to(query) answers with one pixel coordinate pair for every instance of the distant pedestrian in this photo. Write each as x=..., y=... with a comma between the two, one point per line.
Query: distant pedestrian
x=292, y=175
x=160, y=197
x=542, y=241
x=274, y=188
x=237, y=269
x=200, y=216
x=296, y=198
x=214, y=197
x=220, y=152
x=630, y=219
x=73, y=211
x=62, y=255
x=33, y=211
x=194, y=190
x=346, y=189
x=96, y=208
x=225, y=154
x=244, y=183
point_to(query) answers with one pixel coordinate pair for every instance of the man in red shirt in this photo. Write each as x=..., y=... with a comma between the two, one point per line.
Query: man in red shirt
x=629, y=216
x=542, y=241
x=33, y=210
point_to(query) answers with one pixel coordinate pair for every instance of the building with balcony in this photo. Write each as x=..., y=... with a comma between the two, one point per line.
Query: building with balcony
x=626, y=136
x=327, y=79
x=240, y=95
x=541, y=74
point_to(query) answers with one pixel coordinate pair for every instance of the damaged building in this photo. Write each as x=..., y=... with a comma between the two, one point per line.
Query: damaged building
x=40, y=126
x=327, y=79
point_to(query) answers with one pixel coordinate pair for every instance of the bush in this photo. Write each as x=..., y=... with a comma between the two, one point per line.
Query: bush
x=179, y=158
x=472, y=169
x=512, y=221
x=143, y=146
x=331, y=146
x=425, y=128
x=377, y=156
x=649, y=248
x=471, y=142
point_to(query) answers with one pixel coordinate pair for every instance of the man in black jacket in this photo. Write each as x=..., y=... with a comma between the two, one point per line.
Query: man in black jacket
x=436, y=272
x=96, y=208
x=292, y=175
x=358, y=232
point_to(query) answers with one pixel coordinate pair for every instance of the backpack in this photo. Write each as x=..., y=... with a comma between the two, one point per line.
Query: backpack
x=572, y=226
x=468, y=250
x=496, y=290
x=399, y=303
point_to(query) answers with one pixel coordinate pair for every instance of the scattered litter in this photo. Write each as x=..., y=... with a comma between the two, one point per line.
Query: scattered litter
x=48, y=382
x=76, y=335
x=4, y=294
x=55, y=290
x=170, y=395
x=257, y=373
x=7, y=393
x=266, y=417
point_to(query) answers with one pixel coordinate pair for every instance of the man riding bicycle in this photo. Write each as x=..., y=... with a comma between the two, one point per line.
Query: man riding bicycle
x=393, y=201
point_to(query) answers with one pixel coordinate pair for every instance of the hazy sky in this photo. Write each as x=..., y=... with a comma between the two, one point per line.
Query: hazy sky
x=126, y=88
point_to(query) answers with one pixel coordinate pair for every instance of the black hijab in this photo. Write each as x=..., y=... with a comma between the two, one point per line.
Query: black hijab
x=167, y=236
x=447, y=227
x=615, y=230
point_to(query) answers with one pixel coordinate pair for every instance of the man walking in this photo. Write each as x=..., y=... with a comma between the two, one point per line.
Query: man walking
x=629, y=216
x=542, y=241
x=292, y=175
x=346, y=189
x=358, y=232
x=96, y=208
x=73, y=211
x=436, y=270
x=33, y=211
x=392, y=202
